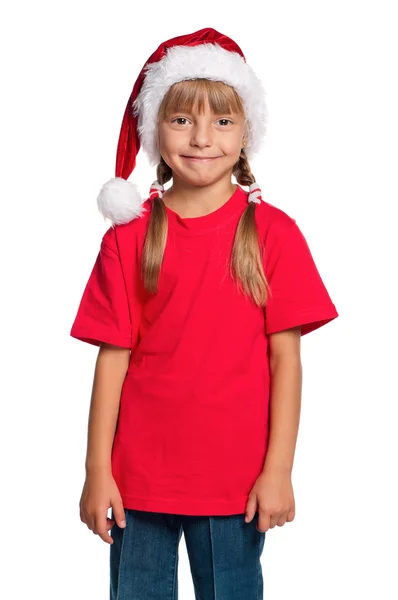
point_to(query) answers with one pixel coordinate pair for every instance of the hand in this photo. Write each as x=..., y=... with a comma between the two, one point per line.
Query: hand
x=100, y=492
x=273, y=495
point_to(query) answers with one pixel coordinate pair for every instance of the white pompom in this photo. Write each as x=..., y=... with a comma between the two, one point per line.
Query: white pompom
x=120, y=201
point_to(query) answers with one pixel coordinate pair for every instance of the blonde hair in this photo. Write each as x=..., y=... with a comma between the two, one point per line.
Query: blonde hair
x=246, y=267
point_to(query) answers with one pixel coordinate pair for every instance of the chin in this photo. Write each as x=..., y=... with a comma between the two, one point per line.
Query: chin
x=202, y=176
x=201, y=179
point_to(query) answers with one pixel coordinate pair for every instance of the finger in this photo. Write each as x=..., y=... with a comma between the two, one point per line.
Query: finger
x=273, y=520
x=263, y=522
x=281, y=520
x=251, y=508
x=290, y=515
x=118, y=513
x=100, y=528
x=82, y=516
x=87, y=519
x=104, y=535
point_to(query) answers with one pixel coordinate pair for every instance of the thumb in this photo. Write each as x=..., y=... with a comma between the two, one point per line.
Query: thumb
x=251, y=507
x=119, y=514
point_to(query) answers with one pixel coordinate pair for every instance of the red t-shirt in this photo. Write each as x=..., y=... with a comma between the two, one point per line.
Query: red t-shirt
x=192, y=432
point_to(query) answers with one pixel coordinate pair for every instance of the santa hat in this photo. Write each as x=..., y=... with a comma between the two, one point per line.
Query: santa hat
x=203, y=54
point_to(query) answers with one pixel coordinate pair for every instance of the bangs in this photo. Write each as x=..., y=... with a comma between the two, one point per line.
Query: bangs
x=191, y=94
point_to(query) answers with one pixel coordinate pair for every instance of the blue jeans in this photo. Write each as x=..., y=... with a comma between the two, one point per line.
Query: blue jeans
x=224, y=555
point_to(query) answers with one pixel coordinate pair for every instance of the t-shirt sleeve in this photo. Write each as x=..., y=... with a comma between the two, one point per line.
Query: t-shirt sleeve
x=103, y=314
x=297, y=295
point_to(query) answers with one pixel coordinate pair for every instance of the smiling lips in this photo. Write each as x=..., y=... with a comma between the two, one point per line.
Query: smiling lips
x=204, y=158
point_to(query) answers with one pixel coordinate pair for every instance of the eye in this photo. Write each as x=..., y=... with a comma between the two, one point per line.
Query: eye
x=228, y=120
x=179, y=119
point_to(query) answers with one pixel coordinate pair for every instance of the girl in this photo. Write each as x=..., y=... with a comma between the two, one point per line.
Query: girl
x=197, y=300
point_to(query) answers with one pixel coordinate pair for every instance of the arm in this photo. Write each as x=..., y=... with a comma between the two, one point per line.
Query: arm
x=285, y=400
x=272, y=494
x=103, y=319
x=299, y=303
x=110, y=371
x=100, y=490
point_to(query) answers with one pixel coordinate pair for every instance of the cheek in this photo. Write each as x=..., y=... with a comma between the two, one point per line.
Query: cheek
x=232, y=150
x=231, y=142
x=171, y=142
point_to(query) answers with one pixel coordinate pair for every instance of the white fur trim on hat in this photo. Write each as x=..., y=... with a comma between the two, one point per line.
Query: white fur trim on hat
x=209, y=61
x=120, y=201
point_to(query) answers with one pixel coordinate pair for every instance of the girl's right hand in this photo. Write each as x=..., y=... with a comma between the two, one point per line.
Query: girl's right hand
x=100, y=493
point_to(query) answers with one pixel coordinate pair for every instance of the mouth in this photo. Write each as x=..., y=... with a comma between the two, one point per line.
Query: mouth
x=200, y=158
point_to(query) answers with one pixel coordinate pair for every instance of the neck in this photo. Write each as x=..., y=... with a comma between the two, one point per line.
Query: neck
x=196, y=201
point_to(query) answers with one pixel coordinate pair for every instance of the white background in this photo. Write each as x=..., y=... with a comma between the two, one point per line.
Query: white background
x=329, y=160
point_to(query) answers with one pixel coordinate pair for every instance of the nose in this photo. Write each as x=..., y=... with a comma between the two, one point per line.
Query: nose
x=201, y=135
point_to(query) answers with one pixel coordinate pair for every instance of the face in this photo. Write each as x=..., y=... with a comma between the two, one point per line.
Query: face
x=201, y=148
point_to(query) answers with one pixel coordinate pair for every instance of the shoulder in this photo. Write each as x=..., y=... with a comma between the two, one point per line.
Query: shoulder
x=273, y=222
x=121, y=237
x=280, y=233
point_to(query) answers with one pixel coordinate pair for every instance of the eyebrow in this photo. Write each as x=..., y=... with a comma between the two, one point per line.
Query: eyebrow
x=188, y=112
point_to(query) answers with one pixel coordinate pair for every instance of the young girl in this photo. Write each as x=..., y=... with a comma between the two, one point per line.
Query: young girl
x=197, y=300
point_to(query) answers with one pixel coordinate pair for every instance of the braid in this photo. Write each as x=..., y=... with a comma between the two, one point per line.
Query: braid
x=156, y=235
x=163, y=172
x=246, y=266
x=242, y=170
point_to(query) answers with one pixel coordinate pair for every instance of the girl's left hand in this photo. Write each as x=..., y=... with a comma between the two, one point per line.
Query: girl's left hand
x=272, y=495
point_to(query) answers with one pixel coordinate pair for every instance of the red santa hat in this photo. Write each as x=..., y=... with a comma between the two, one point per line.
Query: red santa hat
x=203, y=54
